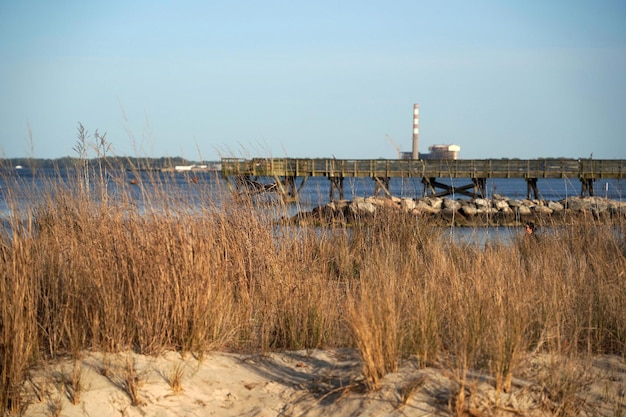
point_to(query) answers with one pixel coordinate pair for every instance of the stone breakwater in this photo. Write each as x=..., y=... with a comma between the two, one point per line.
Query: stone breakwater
x=496, y=211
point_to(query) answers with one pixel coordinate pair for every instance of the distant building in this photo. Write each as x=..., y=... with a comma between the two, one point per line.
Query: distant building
x=190, y=168
x=441, y=152
x=436, y=151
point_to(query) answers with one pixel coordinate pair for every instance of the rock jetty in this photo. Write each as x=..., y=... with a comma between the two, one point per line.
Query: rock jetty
x=496, y=211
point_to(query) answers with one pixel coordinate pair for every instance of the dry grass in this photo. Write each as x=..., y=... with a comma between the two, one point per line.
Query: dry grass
x=145, y=269
x=131, y=381
x=175, y=376
x=74, y=384
x=408, y=389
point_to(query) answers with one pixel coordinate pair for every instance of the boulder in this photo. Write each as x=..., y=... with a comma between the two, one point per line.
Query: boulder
x=501, y=205
x=481, y=203
x=363, y=207
x=377, y=201
x=555, y=206
x=487, y=210
x=469, y=211
x=434, y=202
x=449, y=204
x=586, y=203
x=505, y=217
x=523, y=210
x=540, y=209
x=573, y=203
x=617, y=207
x=423, y=207
x=408, y=204
x=449, y=214
x=472, y=212
x=389, y=203
x=600, y=204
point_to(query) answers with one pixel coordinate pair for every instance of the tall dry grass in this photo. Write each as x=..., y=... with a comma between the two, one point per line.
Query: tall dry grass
x=146, y=269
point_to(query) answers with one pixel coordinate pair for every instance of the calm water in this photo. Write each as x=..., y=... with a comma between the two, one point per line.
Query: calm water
x=23, y=188
x=24, y=184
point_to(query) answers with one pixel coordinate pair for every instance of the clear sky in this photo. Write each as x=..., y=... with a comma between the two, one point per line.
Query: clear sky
x=205, y=79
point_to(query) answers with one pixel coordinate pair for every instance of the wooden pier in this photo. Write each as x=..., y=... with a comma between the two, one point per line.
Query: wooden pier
x=244, y=173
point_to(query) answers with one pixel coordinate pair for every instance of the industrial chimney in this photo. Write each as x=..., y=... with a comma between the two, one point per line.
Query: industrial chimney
x=416, y=112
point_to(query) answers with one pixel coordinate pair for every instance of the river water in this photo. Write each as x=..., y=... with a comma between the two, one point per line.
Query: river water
x=24, y=188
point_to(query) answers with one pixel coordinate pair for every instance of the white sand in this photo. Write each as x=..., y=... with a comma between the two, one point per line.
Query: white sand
x=315, y=383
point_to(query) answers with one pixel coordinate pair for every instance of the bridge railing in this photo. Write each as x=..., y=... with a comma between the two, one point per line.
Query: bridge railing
x=602, y=168
x=461, y=168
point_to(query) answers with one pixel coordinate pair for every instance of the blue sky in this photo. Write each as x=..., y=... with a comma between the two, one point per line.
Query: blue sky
x=205, y=79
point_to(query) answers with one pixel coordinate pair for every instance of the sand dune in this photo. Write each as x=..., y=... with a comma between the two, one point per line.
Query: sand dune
x=303, y=383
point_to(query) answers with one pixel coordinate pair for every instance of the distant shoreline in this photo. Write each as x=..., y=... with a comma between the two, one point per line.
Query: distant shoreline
x=113, y=162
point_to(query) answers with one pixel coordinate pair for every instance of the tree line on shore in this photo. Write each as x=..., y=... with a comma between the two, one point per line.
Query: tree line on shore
x=114, y=162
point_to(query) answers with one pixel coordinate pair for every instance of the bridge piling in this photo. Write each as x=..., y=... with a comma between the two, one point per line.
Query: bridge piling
x=531, y=185
x=336, y=184
x=587, y=186
x=381, y=184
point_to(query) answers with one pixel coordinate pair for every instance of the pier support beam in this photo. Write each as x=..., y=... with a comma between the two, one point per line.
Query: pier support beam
x=381, y=184
x=587, y=186
x=336, y=183
x=531, y=185
x=287, y=187
x=428, y=186
x=245, y=183
x=478, y=186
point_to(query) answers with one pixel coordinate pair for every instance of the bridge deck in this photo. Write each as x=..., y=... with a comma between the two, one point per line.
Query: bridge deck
x=584, y=169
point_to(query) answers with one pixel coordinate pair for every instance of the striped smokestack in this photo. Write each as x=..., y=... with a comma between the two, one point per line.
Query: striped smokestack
x=416, y=113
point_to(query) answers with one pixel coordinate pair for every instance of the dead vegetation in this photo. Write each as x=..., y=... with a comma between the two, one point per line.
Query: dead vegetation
x=82, y=272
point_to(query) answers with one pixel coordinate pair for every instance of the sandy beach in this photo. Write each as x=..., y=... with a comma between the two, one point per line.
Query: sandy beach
x=304, y=383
